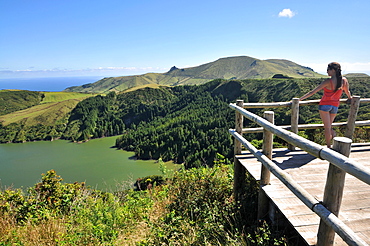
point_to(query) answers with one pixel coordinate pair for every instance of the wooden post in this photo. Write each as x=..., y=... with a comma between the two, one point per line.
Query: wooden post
x=352, y=115
x=294, y=119
x=333, y=191
x=263, y=202
x=239, y=170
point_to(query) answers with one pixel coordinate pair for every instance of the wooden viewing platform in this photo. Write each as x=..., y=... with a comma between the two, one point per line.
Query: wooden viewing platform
x=323, y=192
x=310, y=172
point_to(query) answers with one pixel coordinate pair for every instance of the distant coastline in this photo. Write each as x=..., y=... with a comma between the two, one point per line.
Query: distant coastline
x=46, y=83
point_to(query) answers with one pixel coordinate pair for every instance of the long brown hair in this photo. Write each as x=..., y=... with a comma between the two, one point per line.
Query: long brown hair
x=338, y=73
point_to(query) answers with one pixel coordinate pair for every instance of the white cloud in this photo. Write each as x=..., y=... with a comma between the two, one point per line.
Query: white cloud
x=103, y=71
x=356, y=67
x=286, y=13
x=359, y=67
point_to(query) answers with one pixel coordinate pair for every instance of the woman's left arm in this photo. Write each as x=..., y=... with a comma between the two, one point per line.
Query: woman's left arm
x=314, y=91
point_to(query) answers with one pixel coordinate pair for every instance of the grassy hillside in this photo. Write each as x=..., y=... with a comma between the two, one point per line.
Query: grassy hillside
x=52, y=97
x=244, y=67
x=54, y=107
x=46, y=119
x=240, y=67
x=47, y=113
x=356, y=75
x=14, y=100
x=155, y=86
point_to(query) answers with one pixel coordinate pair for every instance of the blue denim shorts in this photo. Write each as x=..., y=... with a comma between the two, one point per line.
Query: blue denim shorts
x=329, y=108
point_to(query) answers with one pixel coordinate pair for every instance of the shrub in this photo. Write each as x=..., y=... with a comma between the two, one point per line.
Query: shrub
x=195, y=207
x=202, y=211
x=148, y=182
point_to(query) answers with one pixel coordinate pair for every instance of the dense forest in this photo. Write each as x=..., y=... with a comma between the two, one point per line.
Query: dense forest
x=186, y=124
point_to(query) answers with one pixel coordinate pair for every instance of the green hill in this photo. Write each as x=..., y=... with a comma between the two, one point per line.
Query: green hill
x=356, y=75
x=14, y=100
x=30, y=115
x=239, y=67
x=32, y=108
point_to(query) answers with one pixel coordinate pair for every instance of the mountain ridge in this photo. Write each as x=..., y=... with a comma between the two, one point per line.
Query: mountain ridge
x=236, y=67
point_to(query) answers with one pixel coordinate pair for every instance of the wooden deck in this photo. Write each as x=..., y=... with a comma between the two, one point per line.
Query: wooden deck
x=310, y=172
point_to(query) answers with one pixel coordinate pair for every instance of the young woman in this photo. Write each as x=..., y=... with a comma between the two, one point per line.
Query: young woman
x=329, y=102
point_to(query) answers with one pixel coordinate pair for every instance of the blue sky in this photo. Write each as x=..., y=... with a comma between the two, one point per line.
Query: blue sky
x=40, y=38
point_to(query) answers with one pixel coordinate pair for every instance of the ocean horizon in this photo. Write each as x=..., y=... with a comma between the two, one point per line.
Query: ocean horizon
x=46, y=83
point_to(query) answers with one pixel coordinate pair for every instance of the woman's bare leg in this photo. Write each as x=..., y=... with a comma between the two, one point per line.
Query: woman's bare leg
x=332, y=117
x=327, y=119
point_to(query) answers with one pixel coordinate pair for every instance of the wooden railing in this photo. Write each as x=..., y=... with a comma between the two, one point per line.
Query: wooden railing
x=340, y=164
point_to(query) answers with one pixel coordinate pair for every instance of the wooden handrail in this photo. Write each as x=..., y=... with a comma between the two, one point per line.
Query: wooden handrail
x=310, y=201
x=337, y=161
x=307, y=126
x=348, y=165
x=289, y=104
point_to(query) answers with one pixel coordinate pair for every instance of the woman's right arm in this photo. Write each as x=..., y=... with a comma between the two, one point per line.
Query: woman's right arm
x=346, y=88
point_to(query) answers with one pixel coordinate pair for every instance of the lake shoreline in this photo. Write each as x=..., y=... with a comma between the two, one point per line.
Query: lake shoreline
x=94, y=162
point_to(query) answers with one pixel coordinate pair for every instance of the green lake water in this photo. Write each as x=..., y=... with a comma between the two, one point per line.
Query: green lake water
x=94, y=162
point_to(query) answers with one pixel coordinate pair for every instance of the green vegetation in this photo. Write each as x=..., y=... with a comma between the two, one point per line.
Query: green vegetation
x=156, y=86
x=191, y=131
x=194, y=207
x=47, y=114
x=356, y=75
x=14, y=100
x=106, y=116
x=239, y=67
x=53, y=97
x=43, y=119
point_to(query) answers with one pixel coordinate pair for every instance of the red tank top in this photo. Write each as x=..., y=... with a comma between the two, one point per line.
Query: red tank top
x=331, y=97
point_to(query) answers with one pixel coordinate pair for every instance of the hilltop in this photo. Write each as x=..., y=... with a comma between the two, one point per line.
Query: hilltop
x=356, y=75
x=239, y=67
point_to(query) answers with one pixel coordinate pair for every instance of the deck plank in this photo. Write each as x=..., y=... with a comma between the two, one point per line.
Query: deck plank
x=311, y=173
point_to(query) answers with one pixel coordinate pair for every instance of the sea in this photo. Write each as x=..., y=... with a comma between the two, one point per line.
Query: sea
x=46, y=83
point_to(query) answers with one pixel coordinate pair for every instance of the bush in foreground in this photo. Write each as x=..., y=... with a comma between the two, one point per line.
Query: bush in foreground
x=195, y=207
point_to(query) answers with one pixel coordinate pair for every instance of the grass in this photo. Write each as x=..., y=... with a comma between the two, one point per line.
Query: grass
x=55, y=107
x=9, y=90
x=52, y=97
x=14, y=100
x=154, y=86
x=47, y=113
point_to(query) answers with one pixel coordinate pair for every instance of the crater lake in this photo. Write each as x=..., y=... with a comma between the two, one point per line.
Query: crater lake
x=95, y=162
